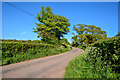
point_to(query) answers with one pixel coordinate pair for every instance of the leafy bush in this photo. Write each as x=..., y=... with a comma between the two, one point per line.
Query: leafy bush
x=83, y=46
x=110, y=52
x=99, y=64
x=100, y=60
x=89, y=65
x=13, y=52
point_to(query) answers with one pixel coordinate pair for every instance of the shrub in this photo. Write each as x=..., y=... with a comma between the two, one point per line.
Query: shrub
x=13, y=52
x=110, y=52
x=89, y=65
x=100, y=60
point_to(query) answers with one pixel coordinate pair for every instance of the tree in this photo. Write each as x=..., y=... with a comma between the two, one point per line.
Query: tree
x=87, y=34
x=51, y=27
x=64, y=40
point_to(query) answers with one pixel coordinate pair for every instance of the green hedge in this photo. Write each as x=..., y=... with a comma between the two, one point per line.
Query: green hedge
x=89, y=65
x=100, y=60
x=16, y=52
x=10, y=49
x=83, y=46
x=110, y=52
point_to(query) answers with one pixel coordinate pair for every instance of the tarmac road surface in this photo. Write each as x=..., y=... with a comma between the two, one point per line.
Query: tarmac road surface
x=47, y=67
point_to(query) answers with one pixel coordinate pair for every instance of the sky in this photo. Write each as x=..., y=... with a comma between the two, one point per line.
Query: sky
x=19, y=25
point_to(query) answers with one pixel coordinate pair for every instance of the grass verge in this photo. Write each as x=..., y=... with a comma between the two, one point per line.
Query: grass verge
x=80, y=68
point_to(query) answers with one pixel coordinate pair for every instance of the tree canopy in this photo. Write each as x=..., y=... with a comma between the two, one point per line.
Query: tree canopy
x=64, y=40
x=118, y=34
x=51, y=27
x=87, y=34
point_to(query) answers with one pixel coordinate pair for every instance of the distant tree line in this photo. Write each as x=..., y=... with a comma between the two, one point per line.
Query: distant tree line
x=14, y=40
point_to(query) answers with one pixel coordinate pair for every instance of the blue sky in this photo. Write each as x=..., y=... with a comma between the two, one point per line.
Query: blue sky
x=19, y=25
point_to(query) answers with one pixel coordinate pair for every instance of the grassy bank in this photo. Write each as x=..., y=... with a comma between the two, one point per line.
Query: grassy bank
x=100, y=60
x=79, y=68
x=14, y=52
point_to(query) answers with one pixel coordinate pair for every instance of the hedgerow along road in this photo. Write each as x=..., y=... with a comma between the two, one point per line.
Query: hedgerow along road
x=47, y=67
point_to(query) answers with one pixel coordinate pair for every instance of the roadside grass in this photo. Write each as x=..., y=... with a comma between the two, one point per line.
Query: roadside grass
x=74, y=69
x=79, y=68
x=17, y=52
x=100, y=60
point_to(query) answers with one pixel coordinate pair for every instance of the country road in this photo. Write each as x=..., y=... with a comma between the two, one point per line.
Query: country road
x=47, y=67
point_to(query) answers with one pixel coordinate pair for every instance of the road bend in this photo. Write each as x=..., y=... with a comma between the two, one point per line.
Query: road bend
x=46, y=67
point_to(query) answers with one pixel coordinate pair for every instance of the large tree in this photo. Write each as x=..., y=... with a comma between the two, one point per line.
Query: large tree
x=51, y=27
x=87, y=34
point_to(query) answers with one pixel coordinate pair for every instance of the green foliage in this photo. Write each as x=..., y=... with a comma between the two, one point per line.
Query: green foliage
x=75, y=44
x=111, y=52
x=22, y=41
x=100, y=60
x=117, y=35
x=83, y=46
x=89, y=65
x=13, y=52
x=51, y=27
x=65, y=41
x=36, y=41
x=87, y=34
